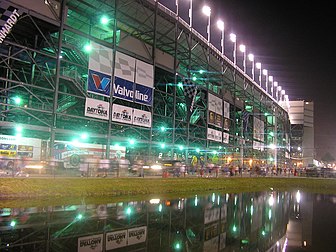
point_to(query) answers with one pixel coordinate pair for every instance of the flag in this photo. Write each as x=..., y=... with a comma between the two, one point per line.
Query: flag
x=190, y=91
x=245, y=119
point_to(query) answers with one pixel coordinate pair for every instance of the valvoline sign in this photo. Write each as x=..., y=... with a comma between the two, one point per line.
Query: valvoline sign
x=99, y=83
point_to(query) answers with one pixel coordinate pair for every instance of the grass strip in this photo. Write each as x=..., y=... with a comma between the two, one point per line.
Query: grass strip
x=56, y=190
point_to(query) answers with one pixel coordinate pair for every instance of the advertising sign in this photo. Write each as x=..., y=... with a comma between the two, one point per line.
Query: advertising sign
x=142, y=118
x=122, y=114
x=214, y=135
x=100, y=69
x=92, y=243
x=116, y=239
x=137, y=235
x=97, y=109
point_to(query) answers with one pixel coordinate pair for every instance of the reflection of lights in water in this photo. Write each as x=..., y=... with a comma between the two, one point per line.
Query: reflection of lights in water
x=218, y=200
x=227, y=197
x=179, y=204
x=298, y=197
x=270, y=214
x=285, y=245
x=213, y=198
x=196, y=200
x=235, y=200
x=271, y=200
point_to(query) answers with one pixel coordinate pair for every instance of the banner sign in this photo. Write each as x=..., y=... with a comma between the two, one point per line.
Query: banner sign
x=226, y=125
x=226, y=109
x=122, y=114
x=215, y=110
x=137, y=235
x=100, y=70
x=214, y=135
x=258, y=129
x=134, y=80
x=97, y=108
x=92, y=243
x=116, y=239
x=226, y=137
x=9, y=16
x=142, y=118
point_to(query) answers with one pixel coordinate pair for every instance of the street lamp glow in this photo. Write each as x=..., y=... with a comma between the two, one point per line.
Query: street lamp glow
x=206, y=10
x=233, y=38
x=104, y=20
x=242, y=48
x=220, y=25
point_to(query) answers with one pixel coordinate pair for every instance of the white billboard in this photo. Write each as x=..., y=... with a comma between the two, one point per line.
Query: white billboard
x=93, y=243
x=122, y=114
x=137, y=235
x=117, y=239
x=97, y=108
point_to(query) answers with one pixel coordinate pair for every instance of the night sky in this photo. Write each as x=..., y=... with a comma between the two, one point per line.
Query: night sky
x=294, y=40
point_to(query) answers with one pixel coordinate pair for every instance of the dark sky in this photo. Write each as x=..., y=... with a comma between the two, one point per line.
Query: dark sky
x=294, y=40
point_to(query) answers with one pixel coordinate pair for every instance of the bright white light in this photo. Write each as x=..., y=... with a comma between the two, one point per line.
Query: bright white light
x=270, y=78
x=298, y=197
x=264, y=71
x=242, y=48
x=258, y=65
x=275, y=83
x=283, y=91
x=279, y=88
x=272, y=146
x=154, y=201
x=233, y=37
x=156, y=167
x=271, y=200
x=250, y=57
x=220, y=25
x=206, y=10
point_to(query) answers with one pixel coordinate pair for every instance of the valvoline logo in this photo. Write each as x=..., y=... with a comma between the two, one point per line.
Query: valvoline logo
x=99, y=83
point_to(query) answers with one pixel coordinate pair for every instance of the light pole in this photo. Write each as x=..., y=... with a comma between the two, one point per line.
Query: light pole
x=277, y=93
x=207, y=11
x=270, y=78
x=251, y=58
x=242, y=48
x=190, y=14
x=233, y=38
x=220, y=25
x=274, y=90
x=265, y=72
x=258, y=66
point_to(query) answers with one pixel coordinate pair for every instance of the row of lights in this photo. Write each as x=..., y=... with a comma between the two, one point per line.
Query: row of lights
x=275, y=90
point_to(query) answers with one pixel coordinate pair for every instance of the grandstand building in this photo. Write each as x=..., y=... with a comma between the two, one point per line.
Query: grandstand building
x=133, y=74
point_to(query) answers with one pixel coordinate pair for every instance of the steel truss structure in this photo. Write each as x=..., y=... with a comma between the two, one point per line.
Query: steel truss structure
x=43, y=63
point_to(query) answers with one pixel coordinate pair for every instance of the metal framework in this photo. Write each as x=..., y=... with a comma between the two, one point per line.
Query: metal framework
x=43, y=62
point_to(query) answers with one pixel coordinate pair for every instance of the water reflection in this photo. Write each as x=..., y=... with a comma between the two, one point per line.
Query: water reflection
x=265, y=221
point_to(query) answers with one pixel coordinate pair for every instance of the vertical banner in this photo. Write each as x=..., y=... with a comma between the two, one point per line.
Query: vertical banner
x=100, y=69
x=97, y=109
x=258, y=129
x=190, y=92
x=124, y=74
x=144, y=80
x=226, y=110
x=92, y=243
